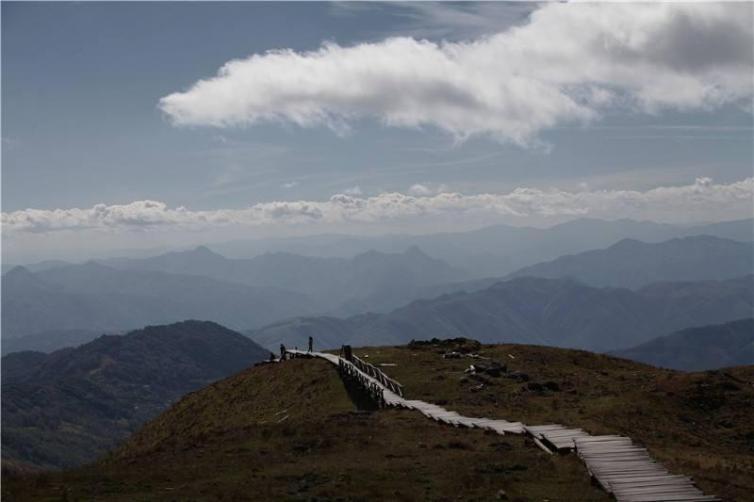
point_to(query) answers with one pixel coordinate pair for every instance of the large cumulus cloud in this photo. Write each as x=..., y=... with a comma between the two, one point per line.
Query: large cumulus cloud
x=702, y=200
x=568, y=63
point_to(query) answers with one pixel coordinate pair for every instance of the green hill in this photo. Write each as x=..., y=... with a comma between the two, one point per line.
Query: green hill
x=69, y=407
x=290, y=432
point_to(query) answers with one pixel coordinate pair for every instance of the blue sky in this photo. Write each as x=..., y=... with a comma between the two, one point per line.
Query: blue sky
x=83, y=122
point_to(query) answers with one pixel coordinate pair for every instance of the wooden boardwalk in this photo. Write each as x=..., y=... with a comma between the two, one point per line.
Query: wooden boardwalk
x=629, y=473
x=623, y=469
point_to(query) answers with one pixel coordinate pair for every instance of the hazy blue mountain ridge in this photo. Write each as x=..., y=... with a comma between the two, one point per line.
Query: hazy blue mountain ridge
x=497, y=250
x=558, y=312
x=94, y=297
x=371, y=281
x=49, y=341
x=699, y=348
x=631, y=264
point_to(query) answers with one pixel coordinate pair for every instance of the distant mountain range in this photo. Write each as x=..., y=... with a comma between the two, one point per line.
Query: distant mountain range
x=39, y=266
x=49, y=341
x=496, y=250
x=71, y=304
x=701, y=348
x=93, y=297
x=371, y=281
x=493, y=251
x=557, y=312
x=632, y=264
x=62, y=304
x=68, y=407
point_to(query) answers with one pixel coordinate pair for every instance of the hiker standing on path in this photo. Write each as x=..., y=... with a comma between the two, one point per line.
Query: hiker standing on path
x=282, y=352
x=311, y=343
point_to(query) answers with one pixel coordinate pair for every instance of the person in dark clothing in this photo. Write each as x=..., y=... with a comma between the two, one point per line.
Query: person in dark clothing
x=282, y=352
x=311, y=343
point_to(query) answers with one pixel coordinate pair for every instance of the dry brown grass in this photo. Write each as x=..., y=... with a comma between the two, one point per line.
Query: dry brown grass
x=699, y=424
x=230, y=442
x=290, y=432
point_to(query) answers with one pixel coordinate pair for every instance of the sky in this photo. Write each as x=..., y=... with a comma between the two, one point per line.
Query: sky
x=150, y=125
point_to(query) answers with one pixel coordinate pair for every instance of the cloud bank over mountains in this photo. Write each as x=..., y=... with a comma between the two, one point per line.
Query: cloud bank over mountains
x=701, y=201
x=570, y=63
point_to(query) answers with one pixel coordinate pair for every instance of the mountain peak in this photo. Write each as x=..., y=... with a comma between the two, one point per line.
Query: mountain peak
x=628, y=242
x=415, y=251
x=203, y=251
x=198, y=253
x=18, y=271
x=20, y=275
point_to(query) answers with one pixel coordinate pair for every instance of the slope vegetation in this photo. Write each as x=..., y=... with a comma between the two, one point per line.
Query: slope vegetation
x=68, y=407
x=696, y=424
x=289, y=431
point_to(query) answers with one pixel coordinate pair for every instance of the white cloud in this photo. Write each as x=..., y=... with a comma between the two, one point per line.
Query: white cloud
x=290, y=184
x=568, y=63
x=701, y=201
x=354, y=190
x=425, y=189
x=419, y=189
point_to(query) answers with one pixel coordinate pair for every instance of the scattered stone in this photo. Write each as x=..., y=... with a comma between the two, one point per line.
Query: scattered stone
x=491, y=368
x=519, y=376
x=481, y=379
x=501, y=495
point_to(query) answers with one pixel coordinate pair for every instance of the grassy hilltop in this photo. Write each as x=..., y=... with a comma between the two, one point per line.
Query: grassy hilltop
x=291, y=431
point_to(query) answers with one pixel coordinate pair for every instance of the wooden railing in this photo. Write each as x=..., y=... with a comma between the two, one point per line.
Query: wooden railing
x=379, y=375
x=374, y=389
